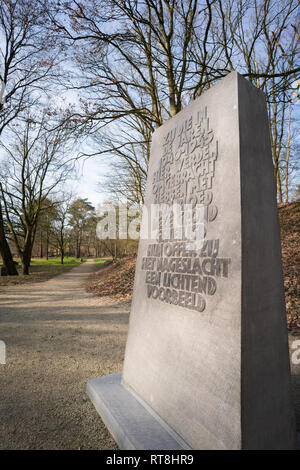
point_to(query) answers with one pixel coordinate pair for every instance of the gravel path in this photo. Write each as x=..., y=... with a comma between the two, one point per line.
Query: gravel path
x=57, y=337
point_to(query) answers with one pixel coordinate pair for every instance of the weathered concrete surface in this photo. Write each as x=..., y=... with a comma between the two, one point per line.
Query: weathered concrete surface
x=214, y=364
x=186, y=364
x=132, y=424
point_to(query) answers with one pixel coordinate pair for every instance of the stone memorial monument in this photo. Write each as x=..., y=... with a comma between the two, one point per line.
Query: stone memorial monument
x=207, y=361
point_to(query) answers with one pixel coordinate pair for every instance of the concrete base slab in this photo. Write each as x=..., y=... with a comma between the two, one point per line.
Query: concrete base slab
x=131, y=422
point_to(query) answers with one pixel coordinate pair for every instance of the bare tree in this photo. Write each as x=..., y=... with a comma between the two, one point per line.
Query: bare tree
x=44, y=225
x=129, y=151
x=34, y=167
x=141, y=62
x=287, y=159
x=28, y=56
x=136, y=74
x=259, y=40
x=59, y=228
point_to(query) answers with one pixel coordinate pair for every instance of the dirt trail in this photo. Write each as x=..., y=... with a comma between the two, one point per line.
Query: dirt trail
x=57, y=337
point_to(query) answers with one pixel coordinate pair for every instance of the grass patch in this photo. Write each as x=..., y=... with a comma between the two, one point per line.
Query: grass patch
x=55, y=261
x=100, y=261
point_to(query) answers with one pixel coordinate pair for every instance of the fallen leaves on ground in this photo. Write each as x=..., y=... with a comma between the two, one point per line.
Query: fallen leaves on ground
x=115, y=280
x=289, y=217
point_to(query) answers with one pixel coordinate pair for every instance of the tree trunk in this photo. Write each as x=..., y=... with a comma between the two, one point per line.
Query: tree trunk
x=288, y=157
x=279, y=188
x=47, y=245
x=6, y=255
x=25, y=268
x=26, y=256
x=78, y=250
x=41, y=245
x=62, y=254
x=277, y=181
x=25, y=263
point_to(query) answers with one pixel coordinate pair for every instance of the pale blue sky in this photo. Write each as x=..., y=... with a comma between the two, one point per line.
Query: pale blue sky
x=90, y=174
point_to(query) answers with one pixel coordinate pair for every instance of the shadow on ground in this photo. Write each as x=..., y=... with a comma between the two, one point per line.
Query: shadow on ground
x=57, y=337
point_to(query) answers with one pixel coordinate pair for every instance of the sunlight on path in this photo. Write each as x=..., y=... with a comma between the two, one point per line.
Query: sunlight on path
x=57, y=337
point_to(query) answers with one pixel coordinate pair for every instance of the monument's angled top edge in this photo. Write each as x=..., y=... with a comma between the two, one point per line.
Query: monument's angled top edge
x=250, y=85
x=230, y=76
x=234, y=75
